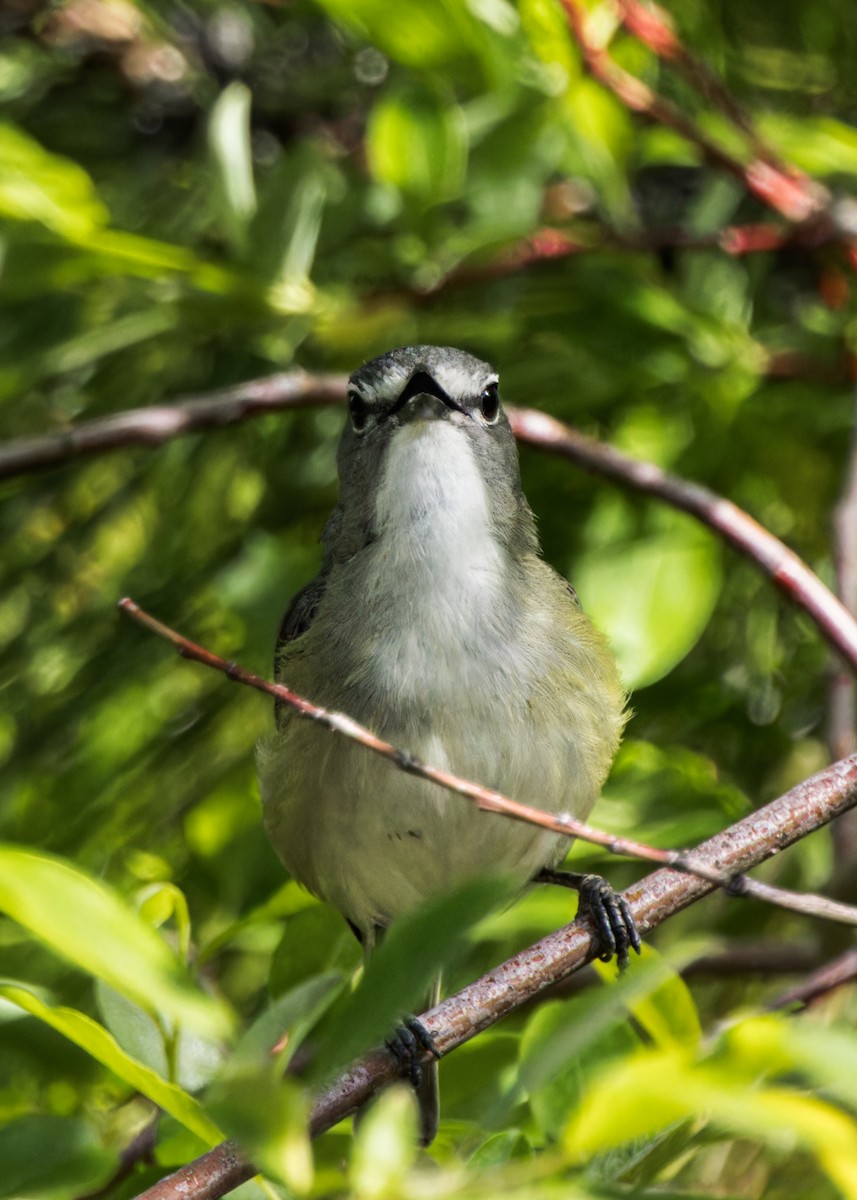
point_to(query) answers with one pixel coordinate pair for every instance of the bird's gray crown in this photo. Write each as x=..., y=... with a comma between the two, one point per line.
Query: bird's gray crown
x=384, y=381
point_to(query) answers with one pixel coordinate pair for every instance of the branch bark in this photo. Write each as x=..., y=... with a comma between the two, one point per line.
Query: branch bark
x=456, y=1020
x=160, y=423
x=487, y=799
x=780, y=564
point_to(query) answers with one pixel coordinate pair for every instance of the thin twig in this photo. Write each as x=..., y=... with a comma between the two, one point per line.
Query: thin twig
x=794, y=198
x=832, y=975
x=159, y=423
x=775, y=559
x=487, y=799
x=507, y=987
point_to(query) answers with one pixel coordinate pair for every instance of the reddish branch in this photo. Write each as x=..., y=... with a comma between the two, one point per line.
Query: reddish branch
x=779, y=563
x=487, y=799
x=507, y=987
x=159, y=423
x=654, y=27
x=794, y=196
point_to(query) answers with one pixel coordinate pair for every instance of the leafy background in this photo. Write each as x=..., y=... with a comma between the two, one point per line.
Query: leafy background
x=196, y=194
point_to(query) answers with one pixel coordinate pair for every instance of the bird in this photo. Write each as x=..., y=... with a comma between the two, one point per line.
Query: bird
x=436, y=622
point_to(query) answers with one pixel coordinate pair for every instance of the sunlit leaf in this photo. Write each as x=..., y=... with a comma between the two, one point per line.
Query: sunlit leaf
x=665, y=1011
x=386, y=1144
x=36, y=185
x=229, y=139
x=652, y=598
x=85, y=922
x=95, y=1040
x=417, y=142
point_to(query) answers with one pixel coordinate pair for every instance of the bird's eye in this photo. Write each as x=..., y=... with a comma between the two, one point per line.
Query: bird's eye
x=359, y=411
x=489, y=403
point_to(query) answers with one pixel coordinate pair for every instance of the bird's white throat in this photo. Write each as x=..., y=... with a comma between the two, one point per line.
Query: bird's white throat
x=437, y=571
x=432, y=509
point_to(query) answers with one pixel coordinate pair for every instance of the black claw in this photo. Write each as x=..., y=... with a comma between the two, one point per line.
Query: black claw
x=617, y=933
x=423, y=1036
x=615, y=930
x=407, y=1044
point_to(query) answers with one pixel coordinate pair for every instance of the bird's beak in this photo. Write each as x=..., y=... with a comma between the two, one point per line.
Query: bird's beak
x=423, y=399
x=424, y=407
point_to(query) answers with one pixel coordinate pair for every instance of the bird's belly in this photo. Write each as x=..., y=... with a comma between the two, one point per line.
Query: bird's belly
x=376, y=842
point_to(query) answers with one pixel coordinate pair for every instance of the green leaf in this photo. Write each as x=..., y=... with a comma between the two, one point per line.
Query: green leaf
x=653, y=597
x=183, y=1056
x=821, y=145
x=161, y=901
x=417, y=142
x=36, y=185
x=268, y=1117
x=229, y=141
x=666, y=1011
x=386, y=1144
x=314, y=941
x=88, y=924
x=418, y=32
x=48, y=1156
x=651, y=1090
x=93, y=1038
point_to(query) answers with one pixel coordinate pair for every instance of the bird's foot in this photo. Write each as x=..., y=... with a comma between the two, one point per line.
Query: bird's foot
x=407, y=1044
x=614, y=922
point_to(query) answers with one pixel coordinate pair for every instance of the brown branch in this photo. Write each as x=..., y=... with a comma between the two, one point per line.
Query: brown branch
x=487, y=799
x=159, y=423
x=507, y=987
x=780, y=564
x=295, y=390
x=654, y=27
x=550, y=245
x=826, y=979
x=797, y=199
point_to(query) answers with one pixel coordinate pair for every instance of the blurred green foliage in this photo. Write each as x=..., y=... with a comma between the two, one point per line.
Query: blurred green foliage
x=197, y=193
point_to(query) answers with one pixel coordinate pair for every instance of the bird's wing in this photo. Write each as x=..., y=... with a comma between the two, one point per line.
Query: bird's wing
x=296, y=621
x=300, y=614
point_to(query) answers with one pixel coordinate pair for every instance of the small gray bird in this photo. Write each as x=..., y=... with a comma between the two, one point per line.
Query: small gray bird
x=435, y=621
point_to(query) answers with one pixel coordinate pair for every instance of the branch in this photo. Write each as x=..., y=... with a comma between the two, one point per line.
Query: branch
x=507, y=987
x=796, y=198
x=654, y=27
x=780, y=564
x=298, y=390
x=826, y=979
x=158, y=424
x=487, y=799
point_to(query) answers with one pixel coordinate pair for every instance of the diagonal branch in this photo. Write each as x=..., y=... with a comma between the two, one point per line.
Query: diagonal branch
x=788, y=572
x=796, y=198
x=654, y=27
x=744, y=845
x=487, y=799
